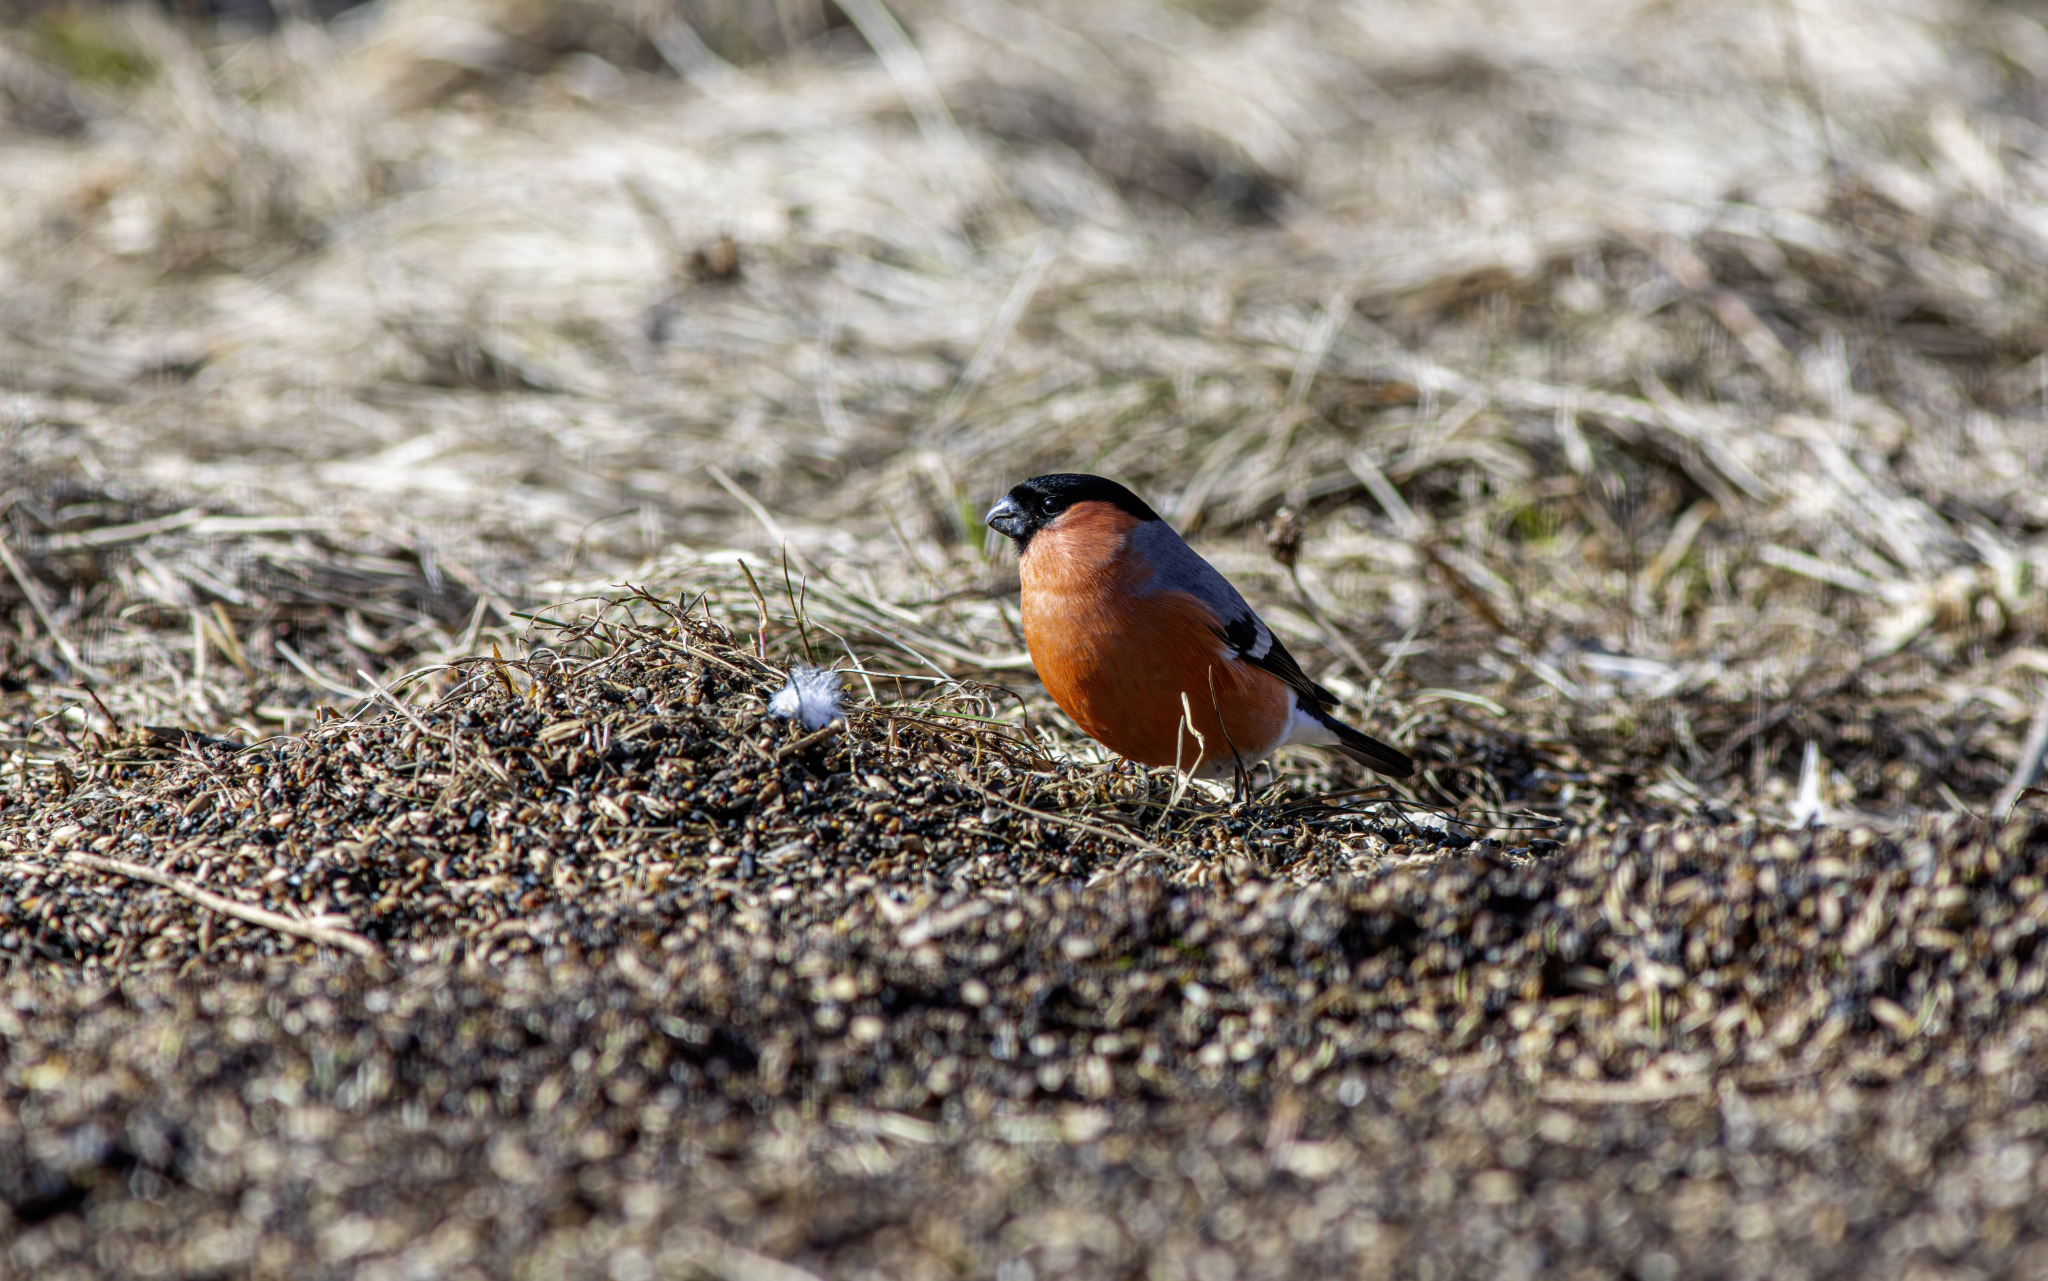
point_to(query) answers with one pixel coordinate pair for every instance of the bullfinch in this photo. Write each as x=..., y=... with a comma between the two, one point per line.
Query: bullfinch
x=1150, y=650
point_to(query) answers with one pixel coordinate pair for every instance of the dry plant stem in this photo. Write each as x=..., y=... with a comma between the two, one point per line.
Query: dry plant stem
x=397, y=705
x=769, y=524
x=1387, y=669
x=34, y=591
x=906, y=66
x=903, y=541
x=322, y=934
x=111, y=535
x=94, y=695
x=1617, y=1092
x=761, y=603
x=854, y=663
x=1240, y=778
x=230, y=643
x=2027, y=770
x=314, y=674
x=818, y=735
x=687, y=55
x=796, y=609
x=1110, y=833
x=684, y=647
x=1338, y=639
x=1180, y=776
x=498, y=670
x=1406, y=522
x=1316, y=349
x=1466, y=590
x=999, y=331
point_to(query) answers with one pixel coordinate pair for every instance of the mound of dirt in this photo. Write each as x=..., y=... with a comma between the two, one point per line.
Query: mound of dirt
x=589, y=969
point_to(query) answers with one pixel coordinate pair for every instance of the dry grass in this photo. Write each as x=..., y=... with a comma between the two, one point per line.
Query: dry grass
x=1656, y=395
x=1598, y=363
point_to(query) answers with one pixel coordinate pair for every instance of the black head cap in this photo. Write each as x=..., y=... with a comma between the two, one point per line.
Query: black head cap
x=1038, y=502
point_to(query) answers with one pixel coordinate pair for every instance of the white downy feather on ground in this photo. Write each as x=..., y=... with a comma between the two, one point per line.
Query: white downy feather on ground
x=811, y=695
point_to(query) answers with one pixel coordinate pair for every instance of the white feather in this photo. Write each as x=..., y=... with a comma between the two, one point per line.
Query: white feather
x=811, y=696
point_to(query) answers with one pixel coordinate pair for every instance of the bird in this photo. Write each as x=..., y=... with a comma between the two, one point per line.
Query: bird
x=1148, y=648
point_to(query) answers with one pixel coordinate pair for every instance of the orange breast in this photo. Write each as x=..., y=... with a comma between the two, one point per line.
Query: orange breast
x=1119, y=662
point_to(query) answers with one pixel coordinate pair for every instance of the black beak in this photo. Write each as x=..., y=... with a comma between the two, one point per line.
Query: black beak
x=1008, y=518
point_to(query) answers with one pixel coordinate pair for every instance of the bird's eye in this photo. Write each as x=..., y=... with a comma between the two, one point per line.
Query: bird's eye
x=1049, y=506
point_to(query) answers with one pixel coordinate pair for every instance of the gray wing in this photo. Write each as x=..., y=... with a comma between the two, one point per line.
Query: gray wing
x=1179, y=567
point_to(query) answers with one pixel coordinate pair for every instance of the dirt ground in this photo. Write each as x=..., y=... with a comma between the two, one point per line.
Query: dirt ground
x=434, y=430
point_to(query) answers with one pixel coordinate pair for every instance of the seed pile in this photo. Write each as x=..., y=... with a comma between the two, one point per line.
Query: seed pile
x=509, y=818
x=588, y=969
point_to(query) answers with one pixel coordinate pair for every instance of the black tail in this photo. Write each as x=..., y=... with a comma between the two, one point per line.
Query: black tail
x=1367, y=751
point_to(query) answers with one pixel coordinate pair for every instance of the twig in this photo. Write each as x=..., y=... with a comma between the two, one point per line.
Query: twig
x=2027, y=770
x=818, y=735
x=94, y=695
x=1114, y=834
x=347, y=940
x=693, y=651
